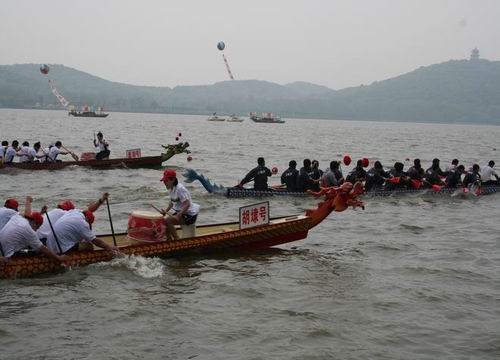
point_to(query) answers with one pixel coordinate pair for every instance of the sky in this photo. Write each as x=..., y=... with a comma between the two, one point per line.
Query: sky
x=335, y=43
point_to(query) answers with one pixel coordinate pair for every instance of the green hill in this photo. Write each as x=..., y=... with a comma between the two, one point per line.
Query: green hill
x=458, y=91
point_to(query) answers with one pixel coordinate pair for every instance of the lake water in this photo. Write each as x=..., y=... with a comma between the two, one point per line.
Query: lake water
x=413, y=277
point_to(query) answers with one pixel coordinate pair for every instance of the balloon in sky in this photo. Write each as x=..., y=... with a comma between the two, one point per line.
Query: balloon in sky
x=44, y=69
x=220, y=45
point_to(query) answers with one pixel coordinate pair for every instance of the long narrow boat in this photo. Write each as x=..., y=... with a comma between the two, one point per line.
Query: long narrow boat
x=87, y=114
x=239, y=192
x=217, y=238
x=140, y=162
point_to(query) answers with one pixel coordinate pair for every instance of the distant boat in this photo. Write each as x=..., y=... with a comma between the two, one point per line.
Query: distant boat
x=87, y=114
x=214, y=117
x=266, y=118
x=87, y=111
x=234, y=118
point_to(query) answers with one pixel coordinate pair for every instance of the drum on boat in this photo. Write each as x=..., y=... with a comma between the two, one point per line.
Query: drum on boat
x=146, y=226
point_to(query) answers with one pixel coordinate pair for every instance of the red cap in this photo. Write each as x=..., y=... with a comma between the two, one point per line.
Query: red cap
x=169, y=174
x=89, y=216
x=66, y=205
x=365, y=162
x=36, y=217
x=11, y=204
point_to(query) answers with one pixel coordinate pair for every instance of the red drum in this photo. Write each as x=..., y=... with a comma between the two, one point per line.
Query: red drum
x=146, y=226
x=87, y=156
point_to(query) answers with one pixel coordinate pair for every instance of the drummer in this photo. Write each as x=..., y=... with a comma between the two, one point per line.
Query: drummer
x=185, y=211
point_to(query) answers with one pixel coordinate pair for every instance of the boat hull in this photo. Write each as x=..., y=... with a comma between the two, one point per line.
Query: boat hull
x=88, y=114
x=147, y=161
x=225, y=238
x=244, y=192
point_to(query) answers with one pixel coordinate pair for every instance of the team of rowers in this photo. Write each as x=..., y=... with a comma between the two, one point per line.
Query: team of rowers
x=311, y=177
x=66, y=229
x=53, y=233
x=35, y=153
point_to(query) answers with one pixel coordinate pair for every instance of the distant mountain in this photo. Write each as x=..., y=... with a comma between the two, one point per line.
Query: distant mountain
x=458, y=91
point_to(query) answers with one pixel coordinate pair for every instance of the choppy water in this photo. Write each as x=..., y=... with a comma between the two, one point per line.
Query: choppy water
x=408, y=278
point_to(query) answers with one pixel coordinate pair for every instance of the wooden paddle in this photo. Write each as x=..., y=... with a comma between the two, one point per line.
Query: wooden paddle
x=53, y=232
x=73, y=155
x=111, y=222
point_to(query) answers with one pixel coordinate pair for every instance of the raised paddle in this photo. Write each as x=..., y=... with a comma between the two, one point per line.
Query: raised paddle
x=73, y=155
x=111, y=222
x=53, y=232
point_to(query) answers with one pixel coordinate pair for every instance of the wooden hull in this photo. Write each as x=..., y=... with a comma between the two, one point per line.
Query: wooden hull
x=141, y=162
x=147, y=161
x=217, y=238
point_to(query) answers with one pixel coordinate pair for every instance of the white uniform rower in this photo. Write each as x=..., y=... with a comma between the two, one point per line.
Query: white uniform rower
x=53, y=215
x=19, y=234
x=73, y=228
x=9, y=209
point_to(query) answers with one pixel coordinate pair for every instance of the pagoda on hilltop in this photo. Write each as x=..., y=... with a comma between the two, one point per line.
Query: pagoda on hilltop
x=474, y=55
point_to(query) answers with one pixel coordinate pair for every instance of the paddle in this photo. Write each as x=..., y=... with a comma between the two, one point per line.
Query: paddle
x=73, y=155
x=111, y=222
x=53, y=232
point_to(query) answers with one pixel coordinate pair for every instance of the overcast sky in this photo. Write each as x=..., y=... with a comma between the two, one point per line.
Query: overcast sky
x=169, y=43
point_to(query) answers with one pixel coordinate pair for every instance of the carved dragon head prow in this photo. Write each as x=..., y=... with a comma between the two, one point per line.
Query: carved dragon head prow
x=336, y=199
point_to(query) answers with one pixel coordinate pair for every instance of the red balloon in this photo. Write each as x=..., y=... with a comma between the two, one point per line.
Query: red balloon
x=189, y=158
x=365, y=162
x=347, y=159
x=177, y=138
x=274, y=170
x=180, y=134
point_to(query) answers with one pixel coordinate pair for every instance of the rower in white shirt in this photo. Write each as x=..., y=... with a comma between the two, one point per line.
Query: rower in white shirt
x=19, y=234
x=11, y=151
x=55, y=151
x=487, y=172
x=9, y=209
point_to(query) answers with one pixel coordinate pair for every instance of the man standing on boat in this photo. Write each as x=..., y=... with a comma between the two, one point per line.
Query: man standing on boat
x=103, y=147
x=185, y=211
x=259, y=176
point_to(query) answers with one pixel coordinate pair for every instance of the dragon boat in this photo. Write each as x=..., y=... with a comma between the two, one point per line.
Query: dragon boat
x=240, y=192
x=133, y=162
x=218, y=238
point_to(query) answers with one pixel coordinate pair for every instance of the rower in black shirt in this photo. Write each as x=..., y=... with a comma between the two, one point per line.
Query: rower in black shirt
x=472, y=177
x=454, y=177
x=259, y=176
x=304, y=181
x=357, y=174
x=398, y=178
x=376, y=176
x=315, y=174
x=434, y=173
x=289, y=177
